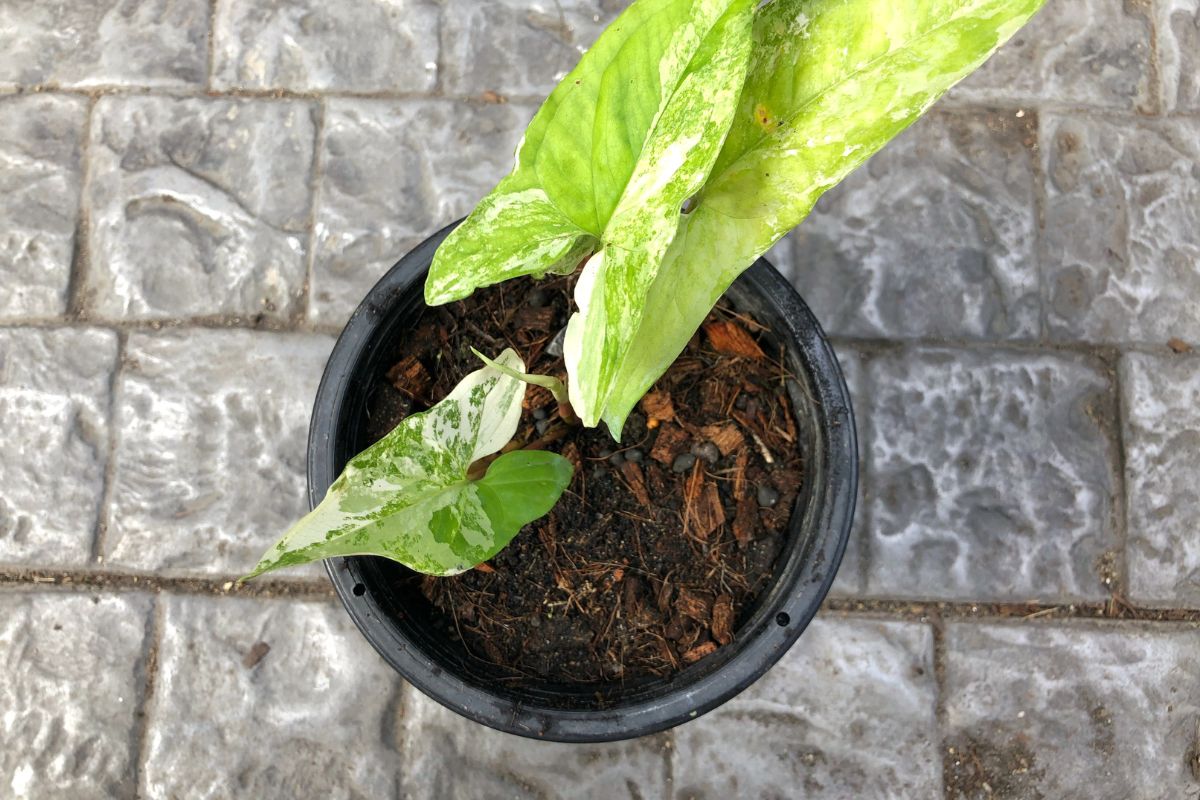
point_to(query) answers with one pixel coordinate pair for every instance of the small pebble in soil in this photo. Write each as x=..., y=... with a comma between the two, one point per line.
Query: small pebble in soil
x=604, y=453
x=555, y=348
x=684, y=463
x=537, y=298
x=616, y=459
x=767, y=496
x=707, y=452
x=539, y=414
x=542, y=427
x=634, y=455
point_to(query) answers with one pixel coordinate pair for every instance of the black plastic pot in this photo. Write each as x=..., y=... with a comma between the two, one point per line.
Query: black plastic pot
x=398, y=622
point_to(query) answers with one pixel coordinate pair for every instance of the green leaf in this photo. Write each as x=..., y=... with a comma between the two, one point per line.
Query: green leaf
x=408, y=497
x=604, y=168
x=592, y=143
x=830, y=83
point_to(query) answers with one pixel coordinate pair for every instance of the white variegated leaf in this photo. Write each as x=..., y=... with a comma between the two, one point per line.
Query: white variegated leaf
x=409, y=497
x=606, y=164
x=831, y=82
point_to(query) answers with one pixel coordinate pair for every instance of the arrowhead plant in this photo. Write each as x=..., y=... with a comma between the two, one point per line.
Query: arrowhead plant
x=691, y=138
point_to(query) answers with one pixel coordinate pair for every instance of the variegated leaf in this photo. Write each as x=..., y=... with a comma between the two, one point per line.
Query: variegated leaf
x=605, y=166
x=409, y=497
x=831, y=82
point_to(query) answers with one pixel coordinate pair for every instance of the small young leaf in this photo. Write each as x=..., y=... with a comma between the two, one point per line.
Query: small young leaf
x=830, y=83
x=408, y=497
x=554, y=385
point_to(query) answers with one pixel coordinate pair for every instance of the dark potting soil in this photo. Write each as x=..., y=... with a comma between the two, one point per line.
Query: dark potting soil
x=662, y=543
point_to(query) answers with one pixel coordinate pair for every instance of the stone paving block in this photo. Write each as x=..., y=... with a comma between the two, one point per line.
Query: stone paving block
x=848, y=713
x=1094, y=53
x=934, y=236
x=72, y=674
x=1179, y=49
x=158, y=43
x=1103, y=713
x=307, y=46
x=395, y=173
x=1121, y=242
x=447, y=757
x=198, y=207
x=54, y=409
x=521, y=48
x=992, y=475
x=783, y=255
x=269, y=699
x=40, y=145
x=211, y=448
x=1162, y=478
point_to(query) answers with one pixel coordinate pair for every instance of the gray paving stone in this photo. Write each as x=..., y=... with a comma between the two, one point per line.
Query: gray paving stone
x=40, y=145
x=849, y=712
x=209, y=467
x=992, y=475
x=198, y=207
x=159, y=43
x=447, y=757
x=395, y=173
x=1121, y=243
x=521, y=48
x=72, y=677
x=1179, y=49
x=1095, y=53
x=933, y=237
x=1162, y=478
x=315, y=713
x=54, y=409
x=1079, y=712
x=306, y=45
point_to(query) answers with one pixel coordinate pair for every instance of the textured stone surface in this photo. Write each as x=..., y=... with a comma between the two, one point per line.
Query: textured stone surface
x=1179, y=48
x=1079, y=711
x=395, y=173
x=447, y=757
x=198, y=207
x=990, y=469
x=517, y=47
x=317, y=716
x=991, y=475
x=72, y=672
x=40, y=146
x=305, y=45
x=54, y=408
x=1074, y=53
x=849, y=712
x=933, y=237
x=1121, y=246
x=103, y=42
x=1162, y=477
x=210, y=457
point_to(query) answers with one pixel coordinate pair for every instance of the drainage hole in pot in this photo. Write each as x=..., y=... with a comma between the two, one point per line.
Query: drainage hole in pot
x=783, y=620
x=360, y=590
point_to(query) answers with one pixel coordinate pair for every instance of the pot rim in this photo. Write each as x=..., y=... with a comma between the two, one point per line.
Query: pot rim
x=805, y=568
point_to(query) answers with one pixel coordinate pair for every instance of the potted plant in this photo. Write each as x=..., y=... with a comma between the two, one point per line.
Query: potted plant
x=599, y=360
